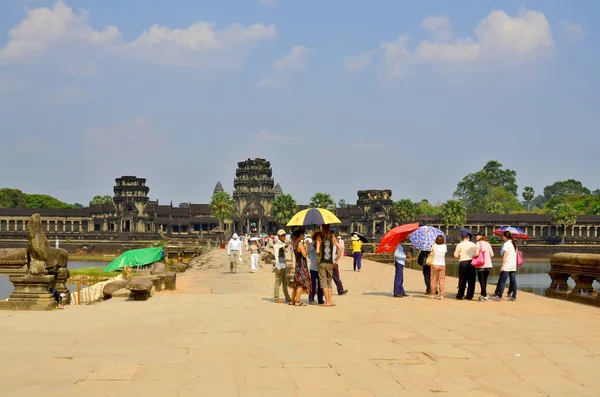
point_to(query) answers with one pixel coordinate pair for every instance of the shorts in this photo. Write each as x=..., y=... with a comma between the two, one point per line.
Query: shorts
x=325, y=274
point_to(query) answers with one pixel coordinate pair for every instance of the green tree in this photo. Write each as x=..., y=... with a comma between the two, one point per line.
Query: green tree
x=425, y=208
x=499, y=201
x=474, y=188
x=101, y=200
x=44, y=201
x=563, y=215
x=12, y=198
x=284, y=207
x=222, y=207
x=342, y=204
x=528, y=195
x=563, y=188
x=78, y=205
x=405, y=210
x=322, y=200
x=454, y=213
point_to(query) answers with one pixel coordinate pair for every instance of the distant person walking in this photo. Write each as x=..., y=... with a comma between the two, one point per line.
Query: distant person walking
x=483, y=245
x=357, y=252
x=465, y=252
x=509, y=267
x=234, y=250
x=438, y=267
x=280, y=247
x=399, y=262
x=254, y=255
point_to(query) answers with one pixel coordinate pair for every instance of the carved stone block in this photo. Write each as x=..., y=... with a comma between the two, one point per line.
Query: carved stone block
x=32, y=292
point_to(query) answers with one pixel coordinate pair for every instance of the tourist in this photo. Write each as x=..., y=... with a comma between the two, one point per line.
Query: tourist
x=465, y=252
x=483, y=245
x=343, y=244
x=325, y=243
x=301, y=283
x=234, y=250
x=438, y=267
x=254, y=255
x=314, y=273
x=337, y=254
x=422, y=260
x=280, y=247
x=399, y=262
x=356, y=252
x=509, y=267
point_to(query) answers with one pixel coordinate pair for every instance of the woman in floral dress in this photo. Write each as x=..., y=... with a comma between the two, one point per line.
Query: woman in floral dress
x=301, y=284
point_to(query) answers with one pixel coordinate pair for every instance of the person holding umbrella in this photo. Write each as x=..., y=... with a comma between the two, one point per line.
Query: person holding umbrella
x=399, y=263
x=392, y=242
x=465, y=252
x=325, y=243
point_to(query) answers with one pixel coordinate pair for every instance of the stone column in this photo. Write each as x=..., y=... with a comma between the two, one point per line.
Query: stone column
x=31, y=293
x=61, y=280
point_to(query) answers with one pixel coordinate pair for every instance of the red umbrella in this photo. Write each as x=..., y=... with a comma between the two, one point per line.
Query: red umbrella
x=390, y=241
x=518, y=234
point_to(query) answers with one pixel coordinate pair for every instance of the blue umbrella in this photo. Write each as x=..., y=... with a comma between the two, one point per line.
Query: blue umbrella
x=424, y=237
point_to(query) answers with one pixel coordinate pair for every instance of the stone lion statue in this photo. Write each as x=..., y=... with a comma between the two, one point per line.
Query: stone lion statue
x=43, y=258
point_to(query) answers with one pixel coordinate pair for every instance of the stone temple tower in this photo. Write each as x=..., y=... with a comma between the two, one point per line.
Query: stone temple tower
x=253, y=194
x=130, y=199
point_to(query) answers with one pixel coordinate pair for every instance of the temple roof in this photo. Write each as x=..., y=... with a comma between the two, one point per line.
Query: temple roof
x=218, y=188
x=277, y=190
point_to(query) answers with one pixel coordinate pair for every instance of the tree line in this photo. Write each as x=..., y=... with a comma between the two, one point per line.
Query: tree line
x=491, y=190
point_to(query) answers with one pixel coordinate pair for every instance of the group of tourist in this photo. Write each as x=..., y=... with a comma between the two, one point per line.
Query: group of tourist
x=316, y=265
x=434, y=267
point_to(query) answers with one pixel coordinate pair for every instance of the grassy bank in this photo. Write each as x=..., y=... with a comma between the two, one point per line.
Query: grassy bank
x=92, y=258
x=90, y=275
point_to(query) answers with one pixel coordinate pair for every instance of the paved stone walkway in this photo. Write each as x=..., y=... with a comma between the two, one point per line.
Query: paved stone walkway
x=221, y=335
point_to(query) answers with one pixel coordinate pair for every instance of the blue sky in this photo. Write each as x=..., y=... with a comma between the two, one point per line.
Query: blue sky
x=339, y=95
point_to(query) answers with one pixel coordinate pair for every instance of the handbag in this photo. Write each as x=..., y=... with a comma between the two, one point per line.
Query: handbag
x=429, y=260
x=519, y=259
x=479, y=260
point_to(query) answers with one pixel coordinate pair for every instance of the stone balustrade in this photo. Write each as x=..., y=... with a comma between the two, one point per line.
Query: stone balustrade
x=583, y=269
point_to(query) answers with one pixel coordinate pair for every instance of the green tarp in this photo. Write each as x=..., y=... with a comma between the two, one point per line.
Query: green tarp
x=136, y=258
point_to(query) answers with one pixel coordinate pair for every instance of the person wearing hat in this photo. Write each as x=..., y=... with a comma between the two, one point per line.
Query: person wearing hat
x=356, y=251
x=280, y=247
x=234, y=250
x=465, y=252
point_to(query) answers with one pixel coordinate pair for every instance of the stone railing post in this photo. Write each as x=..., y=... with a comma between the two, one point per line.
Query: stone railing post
x=583, y=268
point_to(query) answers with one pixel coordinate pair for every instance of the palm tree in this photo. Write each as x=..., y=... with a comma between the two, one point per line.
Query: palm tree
x=405, y=210
x=528, y=195
x=222, y=207
x=284, y=207
x=342, y=204
x=454, y=213
x=563, y=215
x=322, y=200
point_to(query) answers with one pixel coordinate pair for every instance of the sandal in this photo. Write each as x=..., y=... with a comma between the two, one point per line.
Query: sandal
x=299, y=304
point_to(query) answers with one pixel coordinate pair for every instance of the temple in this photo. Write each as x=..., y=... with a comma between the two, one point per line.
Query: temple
x=133, y=216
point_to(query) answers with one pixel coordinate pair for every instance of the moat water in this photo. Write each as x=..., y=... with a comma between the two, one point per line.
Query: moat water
x=6, y=287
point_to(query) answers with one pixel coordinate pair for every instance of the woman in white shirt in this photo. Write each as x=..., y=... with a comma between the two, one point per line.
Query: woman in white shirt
x=438, y=267
x=509, y=267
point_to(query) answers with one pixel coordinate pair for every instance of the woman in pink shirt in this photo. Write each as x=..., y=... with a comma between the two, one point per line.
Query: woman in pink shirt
x=483, y=273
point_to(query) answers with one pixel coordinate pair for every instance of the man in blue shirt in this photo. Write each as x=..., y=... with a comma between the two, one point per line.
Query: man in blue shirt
x=399, y=262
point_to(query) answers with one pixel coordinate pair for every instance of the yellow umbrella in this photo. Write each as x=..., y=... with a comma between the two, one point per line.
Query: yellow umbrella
x=313, y=216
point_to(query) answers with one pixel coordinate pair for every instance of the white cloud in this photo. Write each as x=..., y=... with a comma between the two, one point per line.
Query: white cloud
x=397, y=57
x=573, y=31
x=267, y=3
x=199, y=45
x=360, y=62
x=439, y=27
x=44, y=27
x=498, y=37
x=296, y=59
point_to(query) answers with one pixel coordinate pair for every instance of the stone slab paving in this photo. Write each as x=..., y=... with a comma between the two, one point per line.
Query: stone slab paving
x=221, y=335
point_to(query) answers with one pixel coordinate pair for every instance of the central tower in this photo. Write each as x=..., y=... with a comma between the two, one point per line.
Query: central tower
x=253, y=194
